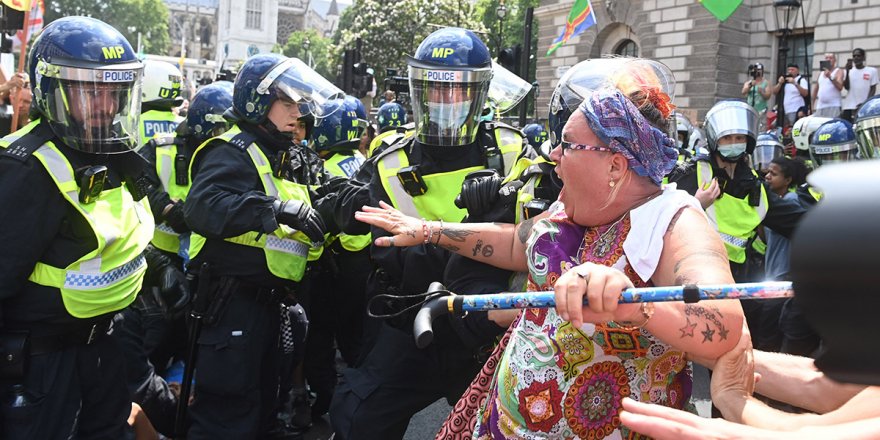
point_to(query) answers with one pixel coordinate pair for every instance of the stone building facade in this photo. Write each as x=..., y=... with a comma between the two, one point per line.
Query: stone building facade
x=709, y=58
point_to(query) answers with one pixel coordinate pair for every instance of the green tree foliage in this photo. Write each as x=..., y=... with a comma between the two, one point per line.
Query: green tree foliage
x=149, y=17
x=320, y=48
x=511, y=28
x=390, y=32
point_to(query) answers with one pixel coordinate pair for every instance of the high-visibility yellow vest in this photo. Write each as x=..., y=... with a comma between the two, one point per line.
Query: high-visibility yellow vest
x=287, y=250
x=164, y=237
x=107, y=278
x=437, y=202
x=342, y=165
x=733, y=218
x=155, y=122
x=390, y=137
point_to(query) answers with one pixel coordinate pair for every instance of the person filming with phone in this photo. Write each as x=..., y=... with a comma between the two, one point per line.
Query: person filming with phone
x=796, y=88
x=827, y=89
x=860, y=82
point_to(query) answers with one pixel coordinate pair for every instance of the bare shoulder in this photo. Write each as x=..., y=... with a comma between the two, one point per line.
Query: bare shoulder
x=692, y=252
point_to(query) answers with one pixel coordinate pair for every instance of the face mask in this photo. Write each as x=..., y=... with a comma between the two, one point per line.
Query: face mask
x=679, y=144
x=732, y=151
x=449, y=116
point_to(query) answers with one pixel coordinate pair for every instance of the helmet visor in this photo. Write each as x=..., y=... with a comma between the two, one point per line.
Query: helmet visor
x=764, y=154
x=828, y=154
x=447, y=104
x=298, y=82
x=731, y=118
x=506, y=89
x=95, y=110
x=868, y=135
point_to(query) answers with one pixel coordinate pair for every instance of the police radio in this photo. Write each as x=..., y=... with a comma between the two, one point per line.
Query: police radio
x=181, y=170
x=91, y=182
x=281, y=163
x=411, y=179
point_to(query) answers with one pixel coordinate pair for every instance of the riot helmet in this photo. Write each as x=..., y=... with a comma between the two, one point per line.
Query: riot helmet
x=684, y=128
x=265, y=78
x=391, y=115
x=833, y=142
x=205, y=117
x=449, y=78
x=767, y=148
x=162, y=85
x=731, y=117
x=803, y=129
x=86, y=83
x=536, y=134
x=341, y=128
x=868, y=128
x=626, y=74
x=506, y=89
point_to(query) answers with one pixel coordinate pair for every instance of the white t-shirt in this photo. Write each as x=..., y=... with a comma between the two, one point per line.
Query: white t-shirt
x=828, y=95
x=860, y=82
x=793, y=99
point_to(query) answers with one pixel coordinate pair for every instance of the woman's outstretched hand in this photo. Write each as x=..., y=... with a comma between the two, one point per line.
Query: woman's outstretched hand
x=406, y=230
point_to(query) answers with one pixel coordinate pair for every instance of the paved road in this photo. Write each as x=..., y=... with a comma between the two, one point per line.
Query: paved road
x=425, y=424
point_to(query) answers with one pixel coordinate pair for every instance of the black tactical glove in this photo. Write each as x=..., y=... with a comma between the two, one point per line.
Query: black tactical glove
x=479, y=192
x=174, y=288
x=301, y=216
x=330, y=186
x=174, y=218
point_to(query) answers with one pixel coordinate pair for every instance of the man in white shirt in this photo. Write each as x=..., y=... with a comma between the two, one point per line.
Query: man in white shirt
x=826, y=92
x=860, y=82
x=796, y=87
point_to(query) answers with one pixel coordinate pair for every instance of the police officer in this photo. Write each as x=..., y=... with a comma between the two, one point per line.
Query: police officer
x=391, y=115
x=737, y=201
x=161, y=93
x=867, y=128
x=75, y=224
x=767, y=148
x=422, y=175
x=536, y=134
x=253, y=233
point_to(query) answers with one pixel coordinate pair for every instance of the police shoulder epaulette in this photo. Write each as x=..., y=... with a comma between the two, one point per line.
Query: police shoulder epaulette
x=22, y=148
x=393, y=143
x=163, y=140
x=242, y=140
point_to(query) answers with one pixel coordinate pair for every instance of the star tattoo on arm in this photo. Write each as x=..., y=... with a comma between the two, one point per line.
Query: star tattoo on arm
x=688, y=329
x=707, y=334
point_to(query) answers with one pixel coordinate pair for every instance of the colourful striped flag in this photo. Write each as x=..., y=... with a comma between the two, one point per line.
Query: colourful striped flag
x=580, y=19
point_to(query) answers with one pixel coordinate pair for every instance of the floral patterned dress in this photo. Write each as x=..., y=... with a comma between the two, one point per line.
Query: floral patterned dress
x=555, y=381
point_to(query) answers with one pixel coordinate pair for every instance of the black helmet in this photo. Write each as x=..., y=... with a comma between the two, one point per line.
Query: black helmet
x=86, y=82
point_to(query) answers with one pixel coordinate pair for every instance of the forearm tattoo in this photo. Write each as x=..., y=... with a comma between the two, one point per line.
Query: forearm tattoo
x=458, y=235
x=524, y=229
x=708, y=317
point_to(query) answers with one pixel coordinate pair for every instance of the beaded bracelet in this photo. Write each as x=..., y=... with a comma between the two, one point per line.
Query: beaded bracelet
x=425, y=234
x=647, y=310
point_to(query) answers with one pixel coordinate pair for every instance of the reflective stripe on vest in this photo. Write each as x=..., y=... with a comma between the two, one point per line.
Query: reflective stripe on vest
x=154, y=122
x=164, y=237
x=108, y=278
x=340, y=165
x=733, y=218
x=287, y=250
x=510, y=142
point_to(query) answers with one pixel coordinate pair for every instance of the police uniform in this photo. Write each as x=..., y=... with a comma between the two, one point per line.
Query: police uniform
x=73, y=250
x=161, y=93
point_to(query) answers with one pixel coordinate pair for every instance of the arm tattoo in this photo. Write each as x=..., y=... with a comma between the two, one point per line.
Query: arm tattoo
x=449, y=247
x=478, y=247
x=411, y=233
x=705, y=314
x=456, y=234
x=488, y=250
x=525, y=229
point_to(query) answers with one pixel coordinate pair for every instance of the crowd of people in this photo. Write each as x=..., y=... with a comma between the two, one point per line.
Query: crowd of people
x=247, y=261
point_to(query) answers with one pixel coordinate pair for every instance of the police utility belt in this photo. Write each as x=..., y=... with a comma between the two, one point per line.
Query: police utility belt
x=16, y=346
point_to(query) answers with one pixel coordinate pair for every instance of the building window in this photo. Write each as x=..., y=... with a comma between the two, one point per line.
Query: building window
x=800, y=52
x=627, y=48
x=254, y=14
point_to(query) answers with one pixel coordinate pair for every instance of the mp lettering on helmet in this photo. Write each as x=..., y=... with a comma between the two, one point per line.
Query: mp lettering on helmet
x=113, y=52
x=441, y=52
x=824, y=137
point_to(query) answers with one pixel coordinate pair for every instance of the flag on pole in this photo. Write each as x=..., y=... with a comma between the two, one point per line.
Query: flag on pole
x=580, y=19
x=33, y=26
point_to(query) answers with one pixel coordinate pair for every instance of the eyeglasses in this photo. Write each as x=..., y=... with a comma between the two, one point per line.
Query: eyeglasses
x=573, y=146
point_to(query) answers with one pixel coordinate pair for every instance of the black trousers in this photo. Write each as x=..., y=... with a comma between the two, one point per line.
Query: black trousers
x=397, y=380
x=237, y=371
x=79, y=392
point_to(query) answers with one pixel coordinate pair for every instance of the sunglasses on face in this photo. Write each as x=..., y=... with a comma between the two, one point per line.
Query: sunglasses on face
x=573, y=146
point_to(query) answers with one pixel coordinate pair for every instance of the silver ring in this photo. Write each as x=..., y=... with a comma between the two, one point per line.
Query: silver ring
x=391, y=241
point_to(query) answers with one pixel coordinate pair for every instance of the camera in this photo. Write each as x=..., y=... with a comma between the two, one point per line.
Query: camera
x=398, y=85
x=754, y=69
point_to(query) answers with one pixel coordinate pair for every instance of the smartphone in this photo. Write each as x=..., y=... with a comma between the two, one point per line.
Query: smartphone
x=825, y=65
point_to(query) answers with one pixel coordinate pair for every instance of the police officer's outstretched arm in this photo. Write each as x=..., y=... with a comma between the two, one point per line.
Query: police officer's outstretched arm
x=782, y=214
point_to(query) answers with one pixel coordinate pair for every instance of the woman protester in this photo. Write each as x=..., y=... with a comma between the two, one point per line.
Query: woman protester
x=565, y=371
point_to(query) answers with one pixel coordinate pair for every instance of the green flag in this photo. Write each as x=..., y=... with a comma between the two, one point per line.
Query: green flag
x=721, y=9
